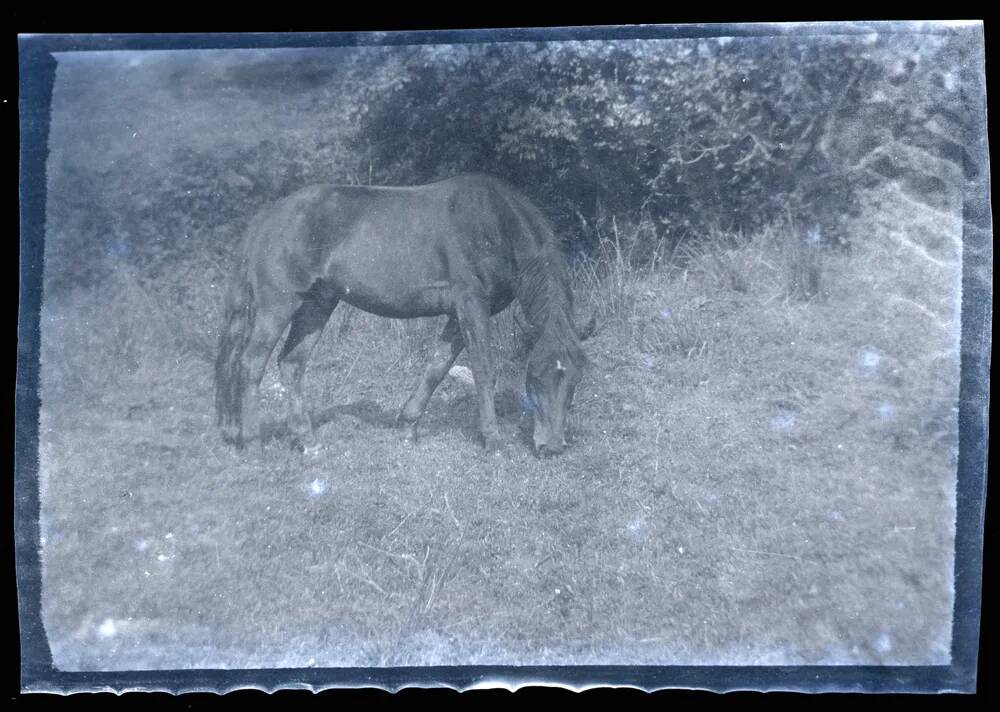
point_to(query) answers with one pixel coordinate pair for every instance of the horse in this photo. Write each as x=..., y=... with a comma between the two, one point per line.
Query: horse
x=464, y=247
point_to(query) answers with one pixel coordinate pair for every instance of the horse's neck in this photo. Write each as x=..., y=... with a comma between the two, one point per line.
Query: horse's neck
x=540, y=291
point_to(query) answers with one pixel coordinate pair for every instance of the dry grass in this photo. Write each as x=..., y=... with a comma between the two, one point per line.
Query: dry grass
x=754, y=477
x=608, y=278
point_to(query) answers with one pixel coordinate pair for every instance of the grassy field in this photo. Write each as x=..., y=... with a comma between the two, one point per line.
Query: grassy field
x=762, y=471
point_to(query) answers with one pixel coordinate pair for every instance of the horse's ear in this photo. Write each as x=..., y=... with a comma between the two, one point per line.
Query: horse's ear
x=587, y=331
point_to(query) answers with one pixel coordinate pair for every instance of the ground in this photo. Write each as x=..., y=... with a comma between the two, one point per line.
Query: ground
x=756, y=476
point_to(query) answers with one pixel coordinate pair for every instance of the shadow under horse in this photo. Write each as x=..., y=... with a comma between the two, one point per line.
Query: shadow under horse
x=466, y=247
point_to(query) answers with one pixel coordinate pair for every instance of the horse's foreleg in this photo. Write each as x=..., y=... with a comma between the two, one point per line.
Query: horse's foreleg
x=449, y=345
x=303, y=335
x=474, y=320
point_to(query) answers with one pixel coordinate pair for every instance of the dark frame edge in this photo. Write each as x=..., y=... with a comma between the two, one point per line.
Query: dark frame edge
x=812, y=679
x=36, y=80
x=36, y=77
x=976, y=344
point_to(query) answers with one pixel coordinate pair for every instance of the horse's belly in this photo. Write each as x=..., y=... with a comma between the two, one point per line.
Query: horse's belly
x=399, y=303
x=416, y=275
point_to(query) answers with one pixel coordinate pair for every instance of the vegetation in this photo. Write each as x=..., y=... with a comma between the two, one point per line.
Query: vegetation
x=762, y=465
x=683, y=137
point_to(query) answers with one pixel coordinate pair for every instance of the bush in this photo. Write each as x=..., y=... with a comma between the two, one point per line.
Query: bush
x=681, y=136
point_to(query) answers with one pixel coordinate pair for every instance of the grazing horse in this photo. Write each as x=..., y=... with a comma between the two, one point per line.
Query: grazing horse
x=465, y=247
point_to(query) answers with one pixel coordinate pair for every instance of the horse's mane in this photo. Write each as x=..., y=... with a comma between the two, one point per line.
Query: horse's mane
x=547, y=302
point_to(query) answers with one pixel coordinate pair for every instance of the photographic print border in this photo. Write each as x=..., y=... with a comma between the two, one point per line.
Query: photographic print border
x=36, y=79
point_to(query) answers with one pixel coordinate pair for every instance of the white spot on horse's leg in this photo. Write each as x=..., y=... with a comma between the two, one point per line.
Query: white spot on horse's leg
x=463, y=374
x=107, y=628
x=559, y=366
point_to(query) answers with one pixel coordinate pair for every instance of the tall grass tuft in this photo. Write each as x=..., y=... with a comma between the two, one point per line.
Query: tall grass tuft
x=725, y=259
x=680, y=333
x=128, y=333
x=803, y=260
x=623, y=259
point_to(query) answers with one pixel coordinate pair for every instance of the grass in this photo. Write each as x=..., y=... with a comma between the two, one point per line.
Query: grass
x=761, y=472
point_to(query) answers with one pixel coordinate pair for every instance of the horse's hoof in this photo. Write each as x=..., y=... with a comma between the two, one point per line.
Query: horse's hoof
x=231, y=436
x=493, y=445
x=410, y=435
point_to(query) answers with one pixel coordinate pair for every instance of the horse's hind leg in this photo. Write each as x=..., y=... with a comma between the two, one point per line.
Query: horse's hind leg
x=272, y=318
x=303, y=335
x=449, y=345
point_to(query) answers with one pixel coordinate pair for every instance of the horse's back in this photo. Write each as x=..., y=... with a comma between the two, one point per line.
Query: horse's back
x=471, y=230
x=468, y=196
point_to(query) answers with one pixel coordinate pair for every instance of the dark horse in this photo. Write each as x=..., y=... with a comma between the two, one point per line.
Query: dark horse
x=465, y=247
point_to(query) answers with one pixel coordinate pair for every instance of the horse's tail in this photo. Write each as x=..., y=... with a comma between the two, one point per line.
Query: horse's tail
x=230, y=372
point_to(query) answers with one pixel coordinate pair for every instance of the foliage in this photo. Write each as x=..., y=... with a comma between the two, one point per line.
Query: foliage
x=693, y=134
x=685, y=136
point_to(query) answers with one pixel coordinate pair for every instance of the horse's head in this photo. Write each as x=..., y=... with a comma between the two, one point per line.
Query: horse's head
x=553, y=372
